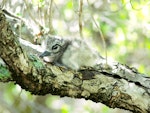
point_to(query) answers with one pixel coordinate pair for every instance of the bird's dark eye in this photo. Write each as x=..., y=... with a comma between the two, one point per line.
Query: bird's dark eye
x=56, y=48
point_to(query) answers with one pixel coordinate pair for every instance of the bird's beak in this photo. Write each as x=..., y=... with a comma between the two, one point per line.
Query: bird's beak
x=45, y=53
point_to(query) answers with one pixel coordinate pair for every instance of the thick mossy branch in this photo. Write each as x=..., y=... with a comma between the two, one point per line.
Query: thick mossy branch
x=39, y=78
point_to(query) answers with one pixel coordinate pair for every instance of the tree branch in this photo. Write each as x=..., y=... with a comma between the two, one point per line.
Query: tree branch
x=109, y=85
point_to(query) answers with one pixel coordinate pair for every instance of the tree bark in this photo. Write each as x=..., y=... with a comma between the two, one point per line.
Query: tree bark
x=117, y=85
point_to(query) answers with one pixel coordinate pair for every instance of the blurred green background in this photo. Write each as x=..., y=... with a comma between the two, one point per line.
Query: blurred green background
x=125, y=25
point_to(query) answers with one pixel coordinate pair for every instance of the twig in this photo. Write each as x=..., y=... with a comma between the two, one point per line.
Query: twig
x=50, y=17
x=101, y=34
x=33, y=18
x=40, y=14
x=3, y=3
x=80, y=18
x=20, y=26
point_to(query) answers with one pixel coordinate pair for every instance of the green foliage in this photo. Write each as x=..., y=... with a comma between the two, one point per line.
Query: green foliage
x=40, y=3
x=65, y=109
x=105, y=109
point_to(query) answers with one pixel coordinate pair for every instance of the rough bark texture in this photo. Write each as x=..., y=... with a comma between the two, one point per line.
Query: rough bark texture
x=115, y=88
